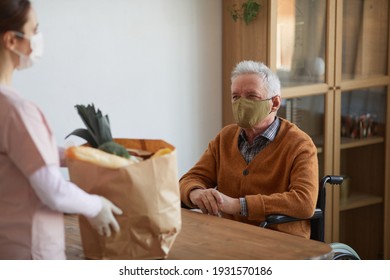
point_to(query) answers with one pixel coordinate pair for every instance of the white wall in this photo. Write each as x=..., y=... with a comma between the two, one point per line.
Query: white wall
x=154, y=66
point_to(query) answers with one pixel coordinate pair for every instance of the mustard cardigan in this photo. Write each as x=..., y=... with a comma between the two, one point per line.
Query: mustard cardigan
x=281, y=179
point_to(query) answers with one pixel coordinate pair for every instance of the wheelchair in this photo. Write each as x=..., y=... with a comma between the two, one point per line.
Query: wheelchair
x=341, y=251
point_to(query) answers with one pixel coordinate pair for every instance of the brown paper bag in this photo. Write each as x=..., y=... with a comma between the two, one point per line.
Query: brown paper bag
x=148, y=194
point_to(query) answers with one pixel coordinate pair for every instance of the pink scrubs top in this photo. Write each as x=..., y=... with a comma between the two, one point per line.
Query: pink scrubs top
x=28, y=229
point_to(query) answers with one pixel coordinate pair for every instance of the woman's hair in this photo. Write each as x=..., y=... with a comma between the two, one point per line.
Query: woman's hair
x=271, y=81
x=13, y=14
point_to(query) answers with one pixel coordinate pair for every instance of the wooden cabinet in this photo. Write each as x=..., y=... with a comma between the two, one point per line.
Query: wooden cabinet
x=332, y=57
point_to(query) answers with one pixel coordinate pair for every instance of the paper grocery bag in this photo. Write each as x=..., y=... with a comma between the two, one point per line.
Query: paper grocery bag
x=148, y=194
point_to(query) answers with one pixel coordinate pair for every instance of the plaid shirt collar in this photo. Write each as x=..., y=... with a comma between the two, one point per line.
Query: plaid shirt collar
x=269, y=133
x=260, y=142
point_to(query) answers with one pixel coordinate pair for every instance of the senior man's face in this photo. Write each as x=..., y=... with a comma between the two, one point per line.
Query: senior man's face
x=248, y=86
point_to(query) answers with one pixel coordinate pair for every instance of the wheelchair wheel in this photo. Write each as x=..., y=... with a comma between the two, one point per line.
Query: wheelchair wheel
x=342, y=251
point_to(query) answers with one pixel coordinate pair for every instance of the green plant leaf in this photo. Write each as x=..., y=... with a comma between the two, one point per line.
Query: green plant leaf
x=104, y=130
x=248, y=11
x=114, y=148
x=85, y=134
x=97, y=124
x=234, y=12
x=251, y=9
x=98, y=131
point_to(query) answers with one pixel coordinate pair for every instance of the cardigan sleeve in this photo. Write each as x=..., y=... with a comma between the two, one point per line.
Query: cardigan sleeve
x=202, y=175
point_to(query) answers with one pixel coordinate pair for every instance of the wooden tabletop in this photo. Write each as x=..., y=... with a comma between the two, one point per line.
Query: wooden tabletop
x=205, y=237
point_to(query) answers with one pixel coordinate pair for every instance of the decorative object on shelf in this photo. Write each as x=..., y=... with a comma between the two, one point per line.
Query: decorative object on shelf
x=354, y=126
x=248, y=11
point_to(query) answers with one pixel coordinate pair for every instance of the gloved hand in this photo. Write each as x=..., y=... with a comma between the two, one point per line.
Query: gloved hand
x=105, y=218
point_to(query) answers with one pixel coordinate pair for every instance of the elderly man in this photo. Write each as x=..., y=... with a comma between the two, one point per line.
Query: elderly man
x=262, y=165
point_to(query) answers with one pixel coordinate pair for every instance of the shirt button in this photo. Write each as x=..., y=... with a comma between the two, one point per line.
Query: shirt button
x=245, y=172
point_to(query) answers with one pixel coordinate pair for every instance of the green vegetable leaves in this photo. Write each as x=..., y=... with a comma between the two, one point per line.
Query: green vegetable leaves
x=98, y=131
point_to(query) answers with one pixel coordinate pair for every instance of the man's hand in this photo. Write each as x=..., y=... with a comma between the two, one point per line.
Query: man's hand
x=207, y=200
x=211, y=201
x=229, y=205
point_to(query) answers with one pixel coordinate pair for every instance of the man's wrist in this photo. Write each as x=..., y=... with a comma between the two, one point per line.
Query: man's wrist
x=189, y=196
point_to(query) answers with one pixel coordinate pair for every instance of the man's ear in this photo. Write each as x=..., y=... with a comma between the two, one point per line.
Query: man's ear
x=276, y=102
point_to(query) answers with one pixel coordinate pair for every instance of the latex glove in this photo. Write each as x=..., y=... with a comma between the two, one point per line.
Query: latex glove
x=105, y=218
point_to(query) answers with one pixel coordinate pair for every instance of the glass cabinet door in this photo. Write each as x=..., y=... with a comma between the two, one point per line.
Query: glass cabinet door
x=362, y=163
x=332, y=59
x=364, y=38
x=299, y=58
x=308, y=114
x=363, y=114
x=361, y=82
x=300, y=42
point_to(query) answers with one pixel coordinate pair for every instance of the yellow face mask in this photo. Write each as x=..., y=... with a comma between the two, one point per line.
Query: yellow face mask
x=247, y=113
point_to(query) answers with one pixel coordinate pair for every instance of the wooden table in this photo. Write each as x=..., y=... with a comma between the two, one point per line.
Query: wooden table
x=206, y=237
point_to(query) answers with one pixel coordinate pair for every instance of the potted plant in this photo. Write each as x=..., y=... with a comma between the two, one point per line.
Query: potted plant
x=247, y=11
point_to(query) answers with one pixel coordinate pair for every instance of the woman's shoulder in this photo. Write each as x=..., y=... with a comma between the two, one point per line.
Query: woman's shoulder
x=13, y=104
x=23, y=104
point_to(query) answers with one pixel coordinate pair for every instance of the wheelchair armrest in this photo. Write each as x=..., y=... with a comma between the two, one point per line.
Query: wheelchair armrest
x=275, y=219
x=317, y=214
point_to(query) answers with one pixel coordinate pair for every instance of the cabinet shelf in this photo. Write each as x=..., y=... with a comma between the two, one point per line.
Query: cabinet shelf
x=347, y=143
x=358, y=199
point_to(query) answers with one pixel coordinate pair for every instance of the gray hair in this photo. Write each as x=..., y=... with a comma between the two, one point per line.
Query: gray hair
x=271, y=81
